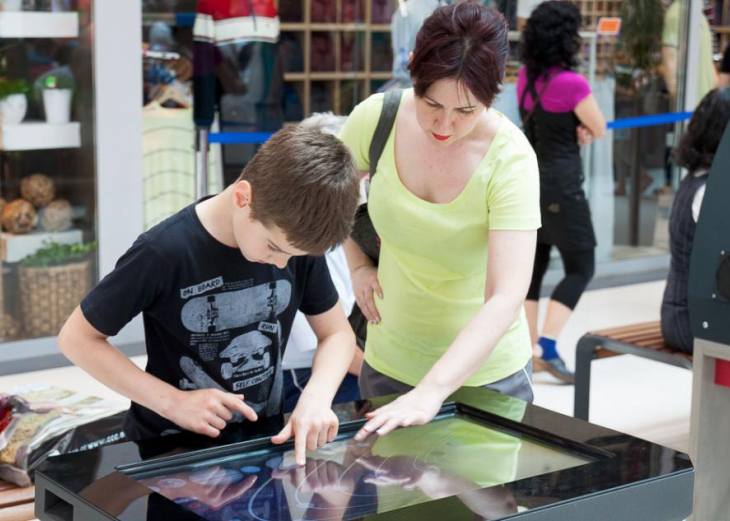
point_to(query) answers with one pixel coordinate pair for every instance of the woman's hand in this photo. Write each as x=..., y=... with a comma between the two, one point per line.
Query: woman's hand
x=365, y=284
x=583, y=135
x=416, y=407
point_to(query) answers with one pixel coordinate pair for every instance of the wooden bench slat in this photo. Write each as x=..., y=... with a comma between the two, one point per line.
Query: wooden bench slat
x=634, y=334
x=16, y=496
x=4, y=485
x=24, y=512
x=625, y=330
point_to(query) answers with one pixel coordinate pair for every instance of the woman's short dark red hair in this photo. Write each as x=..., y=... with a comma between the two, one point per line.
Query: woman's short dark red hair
x=465, y=42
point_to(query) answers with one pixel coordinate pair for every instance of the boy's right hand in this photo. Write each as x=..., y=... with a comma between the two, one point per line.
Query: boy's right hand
x=365, y=284
x=206, y=411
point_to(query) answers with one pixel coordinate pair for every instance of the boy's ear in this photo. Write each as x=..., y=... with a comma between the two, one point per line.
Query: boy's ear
x=242, y=194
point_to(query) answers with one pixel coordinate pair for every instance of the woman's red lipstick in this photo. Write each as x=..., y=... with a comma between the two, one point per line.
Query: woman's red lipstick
x=440, y=138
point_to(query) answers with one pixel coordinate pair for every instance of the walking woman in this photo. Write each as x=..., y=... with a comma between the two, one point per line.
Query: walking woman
x=455, y=203
x=558, y=110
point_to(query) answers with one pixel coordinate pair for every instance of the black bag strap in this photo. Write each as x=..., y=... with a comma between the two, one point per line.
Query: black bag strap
x=535, y=98
x=384, y=127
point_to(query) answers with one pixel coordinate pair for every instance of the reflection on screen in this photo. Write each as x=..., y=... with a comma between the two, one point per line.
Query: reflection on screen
x=349, y=479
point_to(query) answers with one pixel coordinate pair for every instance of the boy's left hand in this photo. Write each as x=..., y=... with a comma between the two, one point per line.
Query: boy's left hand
x=312, y=424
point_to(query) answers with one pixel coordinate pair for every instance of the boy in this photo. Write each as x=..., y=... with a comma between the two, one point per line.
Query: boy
x=218, y=285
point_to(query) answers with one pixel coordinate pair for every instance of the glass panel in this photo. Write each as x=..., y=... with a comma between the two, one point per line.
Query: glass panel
x=47, y=165
x=382, y=11
x=323, y=52
x=353, y=11
x=322, y=96
x=352, y=92
x=324, y=11
x=381, y=53
x=629, y=174
x=291, y=11
x=348, y=479
x=351, y=54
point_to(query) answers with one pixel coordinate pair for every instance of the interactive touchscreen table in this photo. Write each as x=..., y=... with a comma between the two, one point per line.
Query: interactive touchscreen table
x=485, y=456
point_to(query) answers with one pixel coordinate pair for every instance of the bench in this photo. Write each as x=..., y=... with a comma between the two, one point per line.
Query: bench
x=16, y=503
x=644, y=340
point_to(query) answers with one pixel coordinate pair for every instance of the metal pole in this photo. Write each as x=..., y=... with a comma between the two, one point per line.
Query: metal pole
x=201, y=162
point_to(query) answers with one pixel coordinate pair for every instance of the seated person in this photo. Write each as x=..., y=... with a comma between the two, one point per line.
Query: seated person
x=218, y=285
x=695, y=153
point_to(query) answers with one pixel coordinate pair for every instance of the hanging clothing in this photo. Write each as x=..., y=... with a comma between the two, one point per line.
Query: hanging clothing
x=218, y=24
x=168, y=162
x=566, y=217
x=222, y=21
x=403, y=30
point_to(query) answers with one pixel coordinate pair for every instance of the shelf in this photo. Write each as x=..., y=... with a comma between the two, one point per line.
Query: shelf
x=329, y=76
x=15, y=247
x=39, y=136
x=38, y=25
x=331, y=27
x=380, y=28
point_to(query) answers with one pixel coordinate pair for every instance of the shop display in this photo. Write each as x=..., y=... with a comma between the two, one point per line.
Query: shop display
x=19, y=216
x=52, y=281
x=38, y=189
x=56, y=216
x=485, y=456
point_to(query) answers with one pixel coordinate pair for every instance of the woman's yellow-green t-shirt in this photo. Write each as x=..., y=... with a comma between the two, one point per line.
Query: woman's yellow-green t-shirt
x=433, y=257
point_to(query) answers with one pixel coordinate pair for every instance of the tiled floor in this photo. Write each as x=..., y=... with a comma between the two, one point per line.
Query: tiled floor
x=633, y=395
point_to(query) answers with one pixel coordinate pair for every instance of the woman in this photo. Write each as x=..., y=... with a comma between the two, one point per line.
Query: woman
x=695, y=153
x=558, y=109
x=456, y=191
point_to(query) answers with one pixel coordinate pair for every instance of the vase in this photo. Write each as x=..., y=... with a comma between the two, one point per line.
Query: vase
x=57, y=105
x=13, y=109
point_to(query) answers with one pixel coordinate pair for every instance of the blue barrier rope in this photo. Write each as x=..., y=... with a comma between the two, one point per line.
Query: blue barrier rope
x=649, y=121
x=230, y=138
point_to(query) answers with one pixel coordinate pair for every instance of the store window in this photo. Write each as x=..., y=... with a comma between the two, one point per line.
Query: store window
x=47, y=164
x=630, y=175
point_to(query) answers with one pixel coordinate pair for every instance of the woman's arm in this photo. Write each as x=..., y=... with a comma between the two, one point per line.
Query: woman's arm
x=364, y=277
x=510, y=261
x=591, y=116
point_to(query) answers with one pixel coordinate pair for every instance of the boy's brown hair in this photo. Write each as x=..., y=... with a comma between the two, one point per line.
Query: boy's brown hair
x=304, y=182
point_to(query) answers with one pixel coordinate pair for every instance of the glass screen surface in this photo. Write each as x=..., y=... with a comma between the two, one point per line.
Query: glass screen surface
x=348, y=479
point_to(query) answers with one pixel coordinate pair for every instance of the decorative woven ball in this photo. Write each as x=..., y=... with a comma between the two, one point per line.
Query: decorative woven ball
x=56, y=216
x=39, y=189
x=19, y=216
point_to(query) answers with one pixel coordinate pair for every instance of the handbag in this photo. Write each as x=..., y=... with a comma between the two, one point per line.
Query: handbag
x=363, y=232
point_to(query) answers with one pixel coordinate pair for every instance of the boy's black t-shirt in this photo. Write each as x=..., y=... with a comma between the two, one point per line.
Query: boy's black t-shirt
x=212, y=319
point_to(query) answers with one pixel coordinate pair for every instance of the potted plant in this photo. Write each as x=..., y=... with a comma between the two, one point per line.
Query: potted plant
x=57, y=93
x=13, y=100
x=52, y=281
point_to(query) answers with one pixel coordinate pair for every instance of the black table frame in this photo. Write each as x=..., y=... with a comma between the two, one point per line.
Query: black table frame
x=625, y=479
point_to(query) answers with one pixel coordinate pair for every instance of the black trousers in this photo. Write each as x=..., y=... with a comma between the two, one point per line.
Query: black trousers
x=579, y=268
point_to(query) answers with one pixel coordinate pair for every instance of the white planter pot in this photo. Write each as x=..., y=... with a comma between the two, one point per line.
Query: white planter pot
x=13, y=109
x=57, y=105
x=11, y=5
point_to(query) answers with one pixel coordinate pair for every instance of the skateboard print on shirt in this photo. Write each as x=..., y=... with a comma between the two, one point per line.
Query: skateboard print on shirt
x=250, y=363
x=233, y=309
